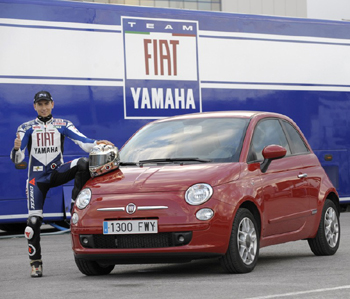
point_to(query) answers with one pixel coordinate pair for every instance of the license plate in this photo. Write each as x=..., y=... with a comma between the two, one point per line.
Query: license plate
x=130, y=227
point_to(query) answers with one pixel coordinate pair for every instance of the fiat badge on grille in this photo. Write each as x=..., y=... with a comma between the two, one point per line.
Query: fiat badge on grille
x=131, y=208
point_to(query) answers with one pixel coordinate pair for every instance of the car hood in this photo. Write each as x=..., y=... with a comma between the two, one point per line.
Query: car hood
x=163, y=178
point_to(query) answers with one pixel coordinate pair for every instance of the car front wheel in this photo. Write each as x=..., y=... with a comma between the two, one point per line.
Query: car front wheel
x=327, y=239
x=93, y=268
x=243, y=251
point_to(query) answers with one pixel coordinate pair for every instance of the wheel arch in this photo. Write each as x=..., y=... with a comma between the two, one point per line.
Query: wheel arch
x=334, y=197
x=251, y=206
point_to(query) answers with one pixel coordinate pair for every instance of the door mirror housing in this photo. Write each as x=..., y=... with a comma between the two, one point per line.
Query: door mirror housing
x=271, y=152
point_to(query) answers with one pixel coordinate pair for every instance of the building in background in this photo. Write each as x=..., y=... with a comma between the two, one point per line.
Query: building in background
x=319, y=9
x=214, y=5
x=290, y=8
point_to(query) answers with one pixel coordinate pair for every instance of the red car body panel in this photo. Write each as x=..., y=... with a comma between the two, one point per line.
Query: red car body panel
x=164, y=179
x=287, y=204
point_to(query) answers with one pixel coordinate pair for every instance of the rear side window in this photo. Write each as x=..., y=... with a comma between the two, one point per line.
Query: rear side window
x=297, y=143
x=267, y=132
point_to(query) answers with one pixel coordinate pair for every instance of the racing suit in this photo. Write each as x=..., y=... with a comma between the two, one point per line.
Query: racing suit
x=44, y=139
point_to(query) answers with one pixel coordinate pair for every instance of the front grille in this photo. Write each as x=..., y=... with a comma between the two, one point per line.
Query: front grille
x=133, y=241
x=136, y=241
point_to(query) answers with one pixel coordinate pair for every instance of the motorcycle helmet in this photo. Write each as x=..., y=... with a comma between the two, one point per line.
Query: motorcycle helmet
x=102, y=159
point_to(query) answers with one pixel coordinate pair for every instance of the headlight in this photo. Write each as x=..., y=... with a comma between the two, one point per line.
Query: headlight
x=83, y=198
x=198, y=194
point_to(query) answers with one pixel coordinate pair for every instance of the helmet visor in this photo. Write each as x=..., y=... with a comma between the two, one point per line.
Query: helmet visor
x=98, y=160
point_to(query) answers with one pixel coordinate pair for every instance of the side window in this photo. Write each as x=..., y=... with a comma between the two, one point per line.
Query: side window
x=267, y=132
x=298, y=145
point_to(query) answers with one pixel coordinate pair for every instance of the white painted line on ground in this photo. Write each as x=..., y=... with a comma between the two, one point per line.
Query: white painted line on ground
x=303, y=292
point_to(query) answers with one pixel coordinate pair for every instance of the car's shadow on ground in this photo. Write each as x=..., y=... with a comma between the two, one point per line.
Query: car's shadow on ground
x=198, y=268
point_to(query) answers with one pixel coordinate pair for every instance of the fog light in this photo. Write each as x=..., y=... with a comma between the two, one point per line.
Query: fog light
x=75, y=218
x=181, y=238
x=205, y=214
x=87, y=241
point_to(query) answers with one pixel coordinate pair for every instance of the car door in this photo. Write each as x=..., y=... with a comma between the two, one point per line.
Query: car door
x=312, y=172
x=285, y=202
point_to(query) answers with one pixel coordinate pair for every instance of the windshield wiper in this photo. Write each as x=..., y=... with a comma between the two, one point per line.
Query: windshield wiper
x=127, y=164
x=172, y=160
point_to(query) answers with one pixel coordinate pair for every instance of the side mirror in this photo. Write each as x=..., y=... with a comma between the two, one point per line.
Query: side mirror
x=271, y=152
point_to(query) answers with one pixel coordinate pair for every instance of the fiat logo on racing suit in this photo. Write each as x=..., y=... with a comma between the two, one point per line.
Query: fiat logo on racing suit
x=131, y=208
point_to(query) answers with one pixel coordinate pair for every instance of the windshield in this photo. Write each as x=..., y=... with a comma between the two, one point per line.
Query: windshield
x=202, y=139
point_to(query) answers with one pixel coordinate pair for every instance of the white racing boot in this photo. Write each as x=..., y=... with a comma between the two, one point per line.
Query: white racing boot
x=37, y=268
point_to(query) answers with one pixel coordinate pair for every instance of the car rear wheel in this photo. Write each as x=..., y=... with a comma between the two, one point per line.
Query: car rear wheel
x=243, y=251
x=91, y=268
x=327, y=239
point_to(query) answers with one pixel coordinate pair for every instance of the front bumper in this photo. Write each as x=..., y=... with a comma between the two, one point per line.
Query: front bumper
x=180, y=237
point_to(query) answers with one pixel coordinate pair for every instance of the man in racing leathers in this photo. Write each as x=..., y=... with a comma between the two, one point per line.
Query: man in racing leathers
x=44, y=138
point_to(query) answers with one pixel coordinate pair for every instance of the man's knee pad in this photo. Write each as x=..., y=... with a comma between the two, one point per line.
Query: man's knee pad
x=33, y=227
x=83, y=164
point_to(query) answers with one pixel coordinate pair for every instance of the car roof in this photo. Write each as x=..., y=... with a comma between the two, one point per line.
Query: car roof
x=236, y=114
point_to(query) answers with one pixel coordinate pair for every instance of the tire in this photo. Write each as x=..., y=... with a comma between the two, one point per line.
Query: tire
x=243, y=251
x=327, y=239
x=92, y=268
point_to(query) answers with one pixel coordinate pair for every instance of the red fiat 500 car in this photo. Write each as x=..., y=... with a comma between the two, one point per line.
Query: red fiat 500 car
x=221, y=184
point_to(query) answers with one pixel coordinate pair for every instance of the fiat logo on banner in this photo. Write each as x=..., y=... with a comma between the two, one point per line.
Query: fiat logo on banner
x=131, y=208
x=161, y=68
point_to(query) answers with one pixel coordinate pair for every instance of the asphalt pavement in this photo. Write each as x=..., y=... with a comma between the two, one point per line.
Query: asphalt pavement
x=283, y=271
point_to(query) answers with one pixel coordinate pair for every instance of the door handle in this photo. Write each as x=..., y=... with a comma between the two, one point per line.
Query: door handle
x=302, y=175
